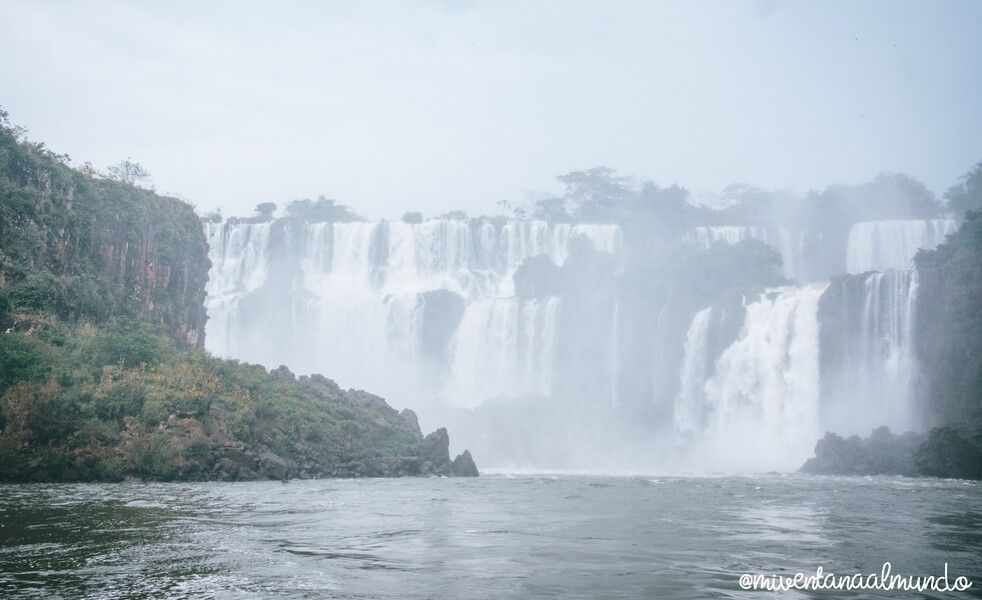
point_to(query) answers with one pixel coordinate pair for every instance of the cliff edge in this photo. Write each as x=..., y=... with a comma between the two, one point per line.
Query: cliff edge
x=102, y=372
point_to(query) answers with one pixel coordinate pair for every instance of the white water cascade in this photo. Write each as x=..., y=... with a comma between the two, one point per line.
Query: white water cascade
x=802, y=365
x=690, y=401
x=355, y=301
x=758, y=406
x=882, y=245
x=778, y=237
x=504, y=347
x=871, y=383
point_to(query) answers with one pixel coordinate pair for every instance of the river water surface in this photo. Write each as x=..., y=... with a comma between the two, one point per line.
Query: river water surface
x=497, y=536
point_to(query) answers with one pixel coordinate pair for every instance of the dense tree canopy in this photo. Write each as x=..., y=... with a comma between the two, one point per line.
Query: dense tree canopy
x=966, y=195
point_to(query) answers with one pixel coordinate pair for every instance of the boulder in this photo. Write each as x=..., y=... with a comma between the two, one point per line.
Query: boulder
x=463, y=466
x=273, y=466
x=434, y=448
x=432, y=457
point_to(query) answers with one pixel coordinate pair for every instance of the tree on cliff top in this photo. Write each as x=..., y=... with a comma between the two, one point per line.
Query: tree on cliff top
x=966, y=195
x=131, y=173
x=322, y=210
x=413, y=217
x=265, y=210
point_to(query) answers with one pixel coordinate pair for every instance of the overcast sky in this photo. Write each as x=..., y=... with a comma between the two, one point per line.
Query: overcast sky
x=439, y=105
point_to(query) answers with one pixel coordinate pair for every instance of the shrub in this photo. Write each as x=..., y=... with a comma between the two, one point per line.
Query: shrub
x=22, y=358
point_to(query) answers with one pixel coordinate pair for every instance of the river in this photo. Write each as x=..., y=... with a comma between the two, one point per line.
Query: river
x=497, y=536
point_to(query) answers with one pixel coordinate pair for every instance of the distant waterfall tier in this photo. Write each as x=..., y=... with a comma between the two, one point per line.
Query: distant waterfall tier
x=474, y=258
x=882, y=245
x=402, y=309
x=868, y=364
x=778, y=237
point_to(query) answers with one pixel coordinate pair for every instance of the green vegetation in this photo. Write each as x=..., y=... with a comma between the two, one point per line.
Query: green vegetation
x=87, y=403
x=949, y=334
x=601, y=195
x=321, y=210
x=413, y=218
x=101, y=372
x=967, y=195
x=80, y=247
x=948, y=452
x=941, y=452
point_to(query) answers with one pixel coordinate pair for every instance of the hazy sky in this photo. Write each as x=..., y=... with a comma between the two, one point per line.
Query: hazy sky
x=439, y=105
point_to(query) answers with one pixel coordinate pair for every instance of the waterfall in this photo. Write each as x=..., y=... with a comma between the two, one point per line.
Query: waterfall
x=689, y=404
x=778, y=237
x=882, y=245
x=355, y=300
x=615, y=356
x=758, y=406
x=868, y=356
x=238, y=266
x=809, y=359
x=505, y=347
x=427, y=315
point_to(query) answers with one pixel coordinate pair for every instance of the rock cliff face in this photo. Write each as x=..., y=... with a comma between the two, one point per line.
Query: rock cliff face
x=82, y=247
x=161, y=273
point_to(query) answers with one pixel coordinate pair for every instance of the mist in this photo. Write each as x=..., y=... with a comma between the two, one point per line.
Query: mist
x=617, y=325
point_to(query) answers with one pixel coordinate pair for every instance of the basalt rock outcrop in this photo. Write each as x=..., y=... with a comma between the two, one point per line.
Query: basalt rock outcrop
x=432, y=457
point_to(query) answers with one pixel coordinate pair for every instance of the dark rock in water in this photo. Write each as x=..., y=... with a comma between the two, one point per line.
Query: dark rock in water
x=463, y=466
x=238, y=456
x=943, y=452
x=224, y=469
x=882, y=453
x=272, y=466
x=434, y=448
x=948, y=453
x=432, y=457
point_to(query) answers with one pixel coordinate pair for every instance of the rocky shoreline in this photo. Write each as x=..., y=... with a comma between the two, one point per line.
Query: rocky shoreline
x=942, y=452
